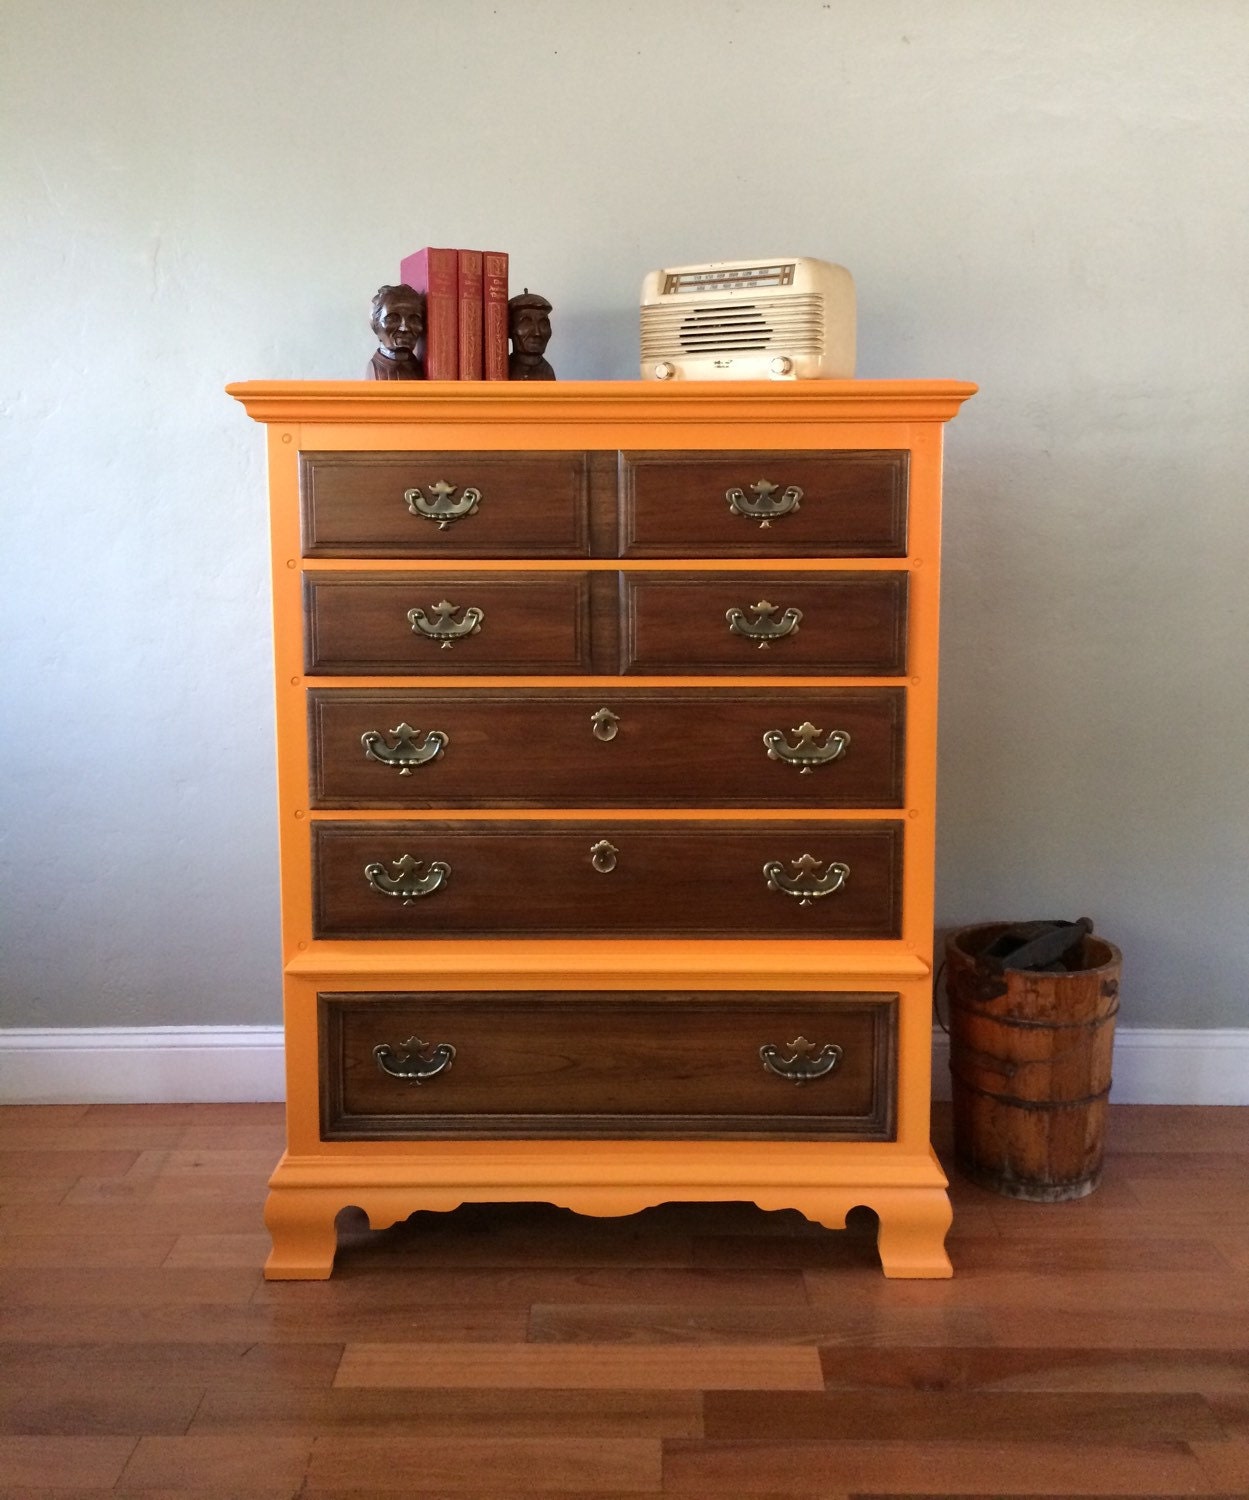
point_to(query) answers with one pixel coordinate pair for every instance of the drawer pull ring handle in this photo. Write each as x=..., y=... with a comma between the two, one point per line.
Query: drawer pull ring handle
x=764, y=508
x=603, y=856
x=442, y=509
x=805, y=884
x=412, y=878
x=405, y=752
x=805, y=1064
x=604, y=724
x=763, y=628
x=442, y=627
x=416, y=1061
x=806, y=753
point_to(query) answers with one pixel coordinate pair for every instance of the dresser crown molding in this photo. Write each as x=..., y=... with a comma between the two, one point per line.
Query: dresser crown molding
x=615, y=400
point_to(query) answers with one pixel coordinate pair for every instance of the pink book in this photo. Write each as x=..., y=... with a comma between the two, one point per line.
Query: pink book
x=494, y=315
x=434, y=272
x=470, y=314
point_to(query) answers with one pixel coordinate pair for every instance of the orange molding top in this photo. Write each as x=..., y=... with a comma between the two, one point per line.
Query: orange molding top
x=483, y=401
x=619, y=962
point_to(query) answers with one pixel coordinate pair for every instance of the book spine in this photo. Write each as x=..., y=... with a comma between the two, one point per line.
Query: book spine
x=470, y=326
x=434, y=272
x=494, y=314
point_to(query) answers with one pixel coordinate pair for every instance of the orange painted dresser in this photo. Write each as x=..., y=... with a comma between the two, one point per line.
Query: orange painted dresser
x=606, y=731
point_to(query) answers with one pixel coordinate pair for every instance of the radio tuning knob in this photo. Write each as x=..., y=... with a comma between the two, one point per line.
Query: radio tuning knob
x=781, y=365
x=665, y=370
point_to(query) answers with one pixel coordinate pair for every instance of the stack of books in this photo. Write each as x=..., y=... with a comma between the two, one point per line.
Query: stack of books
x=465, y=311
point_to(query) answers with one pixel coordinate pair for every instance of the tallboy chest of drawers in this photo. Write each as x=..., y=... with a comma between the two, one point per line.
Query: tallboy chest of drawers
x=606, y=731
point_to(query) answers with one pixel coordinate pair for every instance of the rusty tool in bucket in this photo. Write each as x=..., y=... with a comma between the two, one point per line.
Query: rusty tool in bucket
x=1045, y=946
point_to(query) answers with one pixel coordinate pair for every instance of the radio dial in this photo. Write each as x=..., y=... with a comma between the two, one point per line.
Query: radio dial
x=665, y=370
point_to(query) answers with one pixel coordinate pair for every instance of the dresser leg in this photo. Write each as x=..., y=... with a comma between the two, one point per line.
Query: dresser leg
x=913, y=1227
x=301, y=1222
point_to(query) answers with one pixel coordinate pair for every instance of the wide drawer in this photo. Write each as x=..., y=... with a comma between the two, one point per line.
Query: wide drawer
x=510, y=747
x=599, y=1065
x=448, y=504
x=849, y=504
x=848, y=623
x=448, y=623
x=434, y=878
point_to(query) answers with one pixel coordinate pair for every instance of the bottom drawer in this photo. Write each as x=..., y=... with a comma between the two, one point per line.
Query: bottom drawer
x=595, y=1065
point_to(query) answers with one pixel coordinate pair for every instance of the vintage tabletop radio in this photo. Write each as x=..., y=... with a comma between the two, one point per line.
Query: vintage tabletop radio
x=748, y=320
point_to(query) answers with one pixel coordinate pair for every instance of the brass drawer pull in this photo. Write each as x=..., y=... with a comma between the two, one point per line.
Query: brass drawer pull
x=764, y=509
x=405, y=752
x=442, y=509
x=603, y=856
x=763, y=628
x=412, y=877
x=805, y=1064
x=806, y=753
x=416, y=1061
x=805, y=884
x=442, y=627
x=603, y=724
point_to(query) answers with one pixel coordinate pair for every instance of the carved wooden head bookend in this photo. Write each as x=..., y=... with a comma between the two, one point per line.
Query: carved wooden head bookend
x=529, y=328
x=398, y=320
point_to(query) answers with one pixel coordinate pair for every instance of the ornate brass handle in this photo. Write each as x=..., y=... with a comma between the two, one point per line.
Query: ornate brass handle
x=603, y=724
x=405, y=752
x=763, y=628
x=805, y=884
x=764, y=509
x=441, y=508
x=805, y=1064
x=806, y=753
x=603, y=856
x=412, y=878
x=417, y=1061
x=442, y=627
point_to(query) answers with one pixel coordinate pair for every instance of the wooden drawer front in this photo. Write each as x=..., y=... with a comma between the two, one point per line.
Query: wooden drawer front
x=589, y=1064
x=602, y=878
x=763, y=504
x=779, y=623
x=510, y=747
x=531, y=622
x=444, y=504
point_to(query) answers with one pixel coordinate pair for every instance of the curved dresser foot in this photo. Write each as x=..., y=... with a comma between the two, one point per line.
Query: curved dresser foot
x=913, y=1227
x=301, y=1222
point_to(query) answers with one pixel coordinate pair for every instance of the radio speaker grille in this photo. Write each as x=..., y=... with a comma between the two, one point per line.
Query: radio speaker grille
x=793, y=323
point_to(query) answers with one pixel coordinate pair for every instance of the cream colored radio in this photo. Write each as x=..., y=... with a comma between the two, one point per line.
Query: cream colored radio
x=748, y=320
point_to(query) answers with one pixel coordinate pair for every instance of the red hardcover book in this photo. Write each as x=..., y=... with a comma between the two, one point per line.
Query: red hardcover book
x=470, y=314
x=494, y=314
x=434, y=273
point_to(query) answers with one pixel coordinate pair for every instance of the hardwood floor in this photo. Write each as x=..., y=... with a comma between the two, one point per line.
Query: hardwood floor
x=1091, y=1348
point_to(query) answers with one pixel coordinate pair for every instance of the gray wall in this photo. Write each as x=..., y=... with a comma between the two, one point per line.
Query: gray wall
x=1047, y=199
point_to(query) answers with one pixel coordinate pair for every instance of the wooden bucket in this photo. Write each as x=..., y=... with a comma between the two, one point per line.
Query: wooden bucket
x=1030, y=1063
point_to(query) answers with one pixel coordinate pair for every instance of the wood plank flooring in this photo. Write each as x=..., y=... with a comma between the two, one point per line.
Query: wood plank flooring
x=1090, y=1348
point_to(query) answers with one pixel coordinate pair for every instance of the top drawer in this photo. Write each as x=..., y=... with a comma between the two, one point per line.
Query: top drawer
x=444, y=504
x=760, y=504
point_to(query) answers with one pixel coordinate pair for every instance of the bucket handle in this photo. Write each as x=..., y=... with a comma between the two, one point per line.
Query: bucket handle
x=936, y=996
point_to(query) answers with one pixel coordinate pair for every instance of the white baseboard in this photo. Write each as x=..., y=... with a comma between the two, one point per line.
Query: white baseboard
x=142, y=1065
x=233, y=1064
x=1156, y=1065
